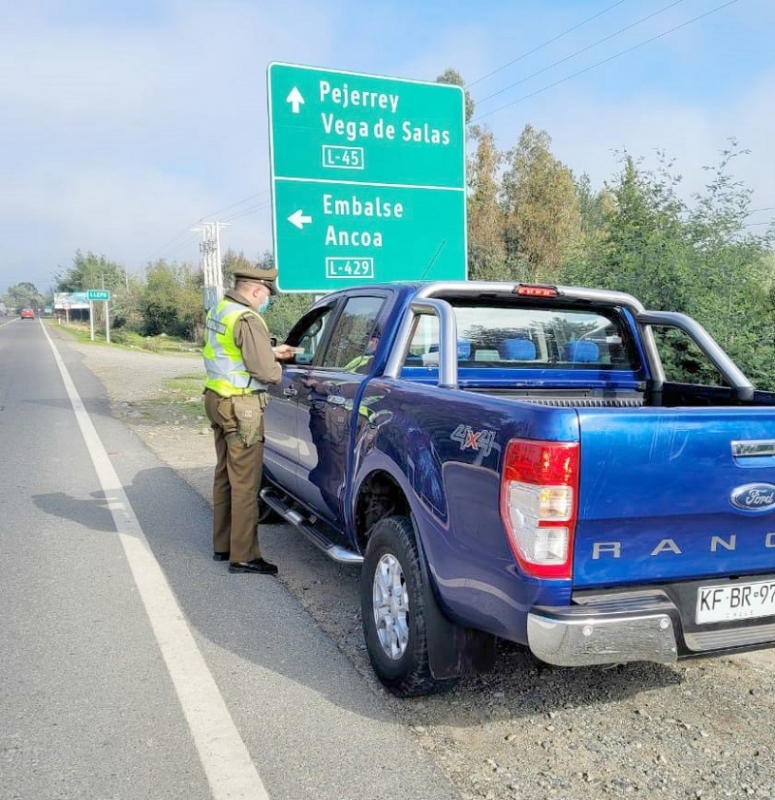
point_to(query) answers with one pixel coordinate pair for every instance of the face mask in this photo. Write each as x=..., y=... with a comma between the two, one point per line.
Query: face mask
x=263, y=307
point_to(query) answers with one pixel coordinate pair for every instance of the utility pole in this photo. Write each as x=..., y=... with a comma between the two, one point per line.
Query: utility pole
x=212, y=270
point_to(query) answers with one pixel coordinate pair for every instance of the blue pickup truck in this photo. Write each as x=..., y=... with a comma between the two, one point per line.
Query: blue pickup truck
x=509, y=460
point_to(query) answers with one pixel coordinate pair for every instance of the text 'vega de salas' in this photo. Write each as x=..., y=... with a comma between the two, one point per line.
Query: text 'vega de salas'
x=355, y=130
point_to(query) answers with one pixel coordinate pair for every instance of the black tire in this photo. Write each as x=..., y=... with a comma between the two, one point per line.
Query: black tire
x=405, y=670
x=267, y=515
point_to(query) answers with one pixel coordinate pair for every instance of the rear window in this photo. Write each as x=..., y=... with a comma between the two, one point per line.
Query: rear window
x=541, y=338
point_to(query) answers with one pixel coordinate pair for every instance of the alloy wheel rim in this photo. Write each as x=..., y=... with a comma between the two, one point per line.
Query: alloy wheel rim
x=390, y=603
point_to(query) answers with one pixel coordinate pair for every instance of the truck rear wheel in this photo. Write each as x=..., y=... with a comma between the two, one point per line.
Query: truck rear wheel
x=393, y=610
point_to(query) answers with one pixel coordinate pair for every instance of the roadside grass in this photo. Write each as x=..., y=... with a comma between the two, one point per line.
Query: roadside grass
x=177, y=402
x=131, y=340
x=185, y=393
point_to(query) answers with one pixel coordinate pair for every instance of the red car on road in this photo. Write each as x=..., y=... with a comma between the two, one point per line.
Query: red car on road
x=28, y=313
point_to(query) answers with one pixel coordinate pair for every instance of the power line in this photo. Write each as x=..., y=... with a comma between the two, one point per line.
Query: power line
x=583, y=50
x=606, y=60
x=249, y=210
x=547, y=42
x=238, y=203
x=191, y=240
x=168, y=244
x=187, y=229
x=246, y=212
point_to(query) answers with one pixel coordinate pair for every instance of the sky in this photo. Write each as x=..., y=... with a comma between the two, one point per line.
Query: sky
x=126, y=123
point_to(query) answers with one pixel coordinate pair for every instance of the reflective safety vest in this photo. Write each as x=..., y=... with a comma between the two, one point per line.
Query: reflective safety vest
x=226, y=371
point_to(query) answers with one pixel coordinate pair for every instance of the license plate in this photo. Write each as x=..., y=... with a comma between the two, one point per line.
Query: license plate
x=734, y=601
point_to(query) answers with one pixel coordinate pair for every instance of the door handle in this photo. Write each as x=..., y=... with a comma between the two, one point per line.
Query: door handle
x=289, y=391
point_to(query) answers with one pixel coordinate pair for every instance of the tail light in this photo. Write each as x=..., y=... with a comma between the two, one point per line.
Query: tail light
x=539, y=501
x=536, y=290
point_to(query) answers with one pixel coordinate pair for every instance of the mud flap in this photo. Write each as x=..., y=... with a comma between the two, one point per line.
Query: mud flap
x=452, y=649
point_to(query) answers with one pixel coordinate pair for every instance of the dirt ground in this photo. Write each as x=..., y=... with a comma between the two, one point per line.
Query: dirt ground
x=525, y=731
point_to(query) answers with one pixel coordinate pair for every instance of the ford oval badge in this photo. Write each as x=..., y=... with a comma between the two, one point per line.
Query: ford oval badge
x=754, y=497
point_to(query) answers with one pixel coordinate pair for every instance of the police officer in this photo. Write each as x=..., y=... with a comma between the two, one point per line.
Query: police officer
x=240, y=363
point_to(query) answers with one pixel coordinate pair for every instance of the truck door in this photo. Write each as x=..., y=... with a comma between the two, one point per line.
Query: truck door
x=281, y=449
x=327, y=395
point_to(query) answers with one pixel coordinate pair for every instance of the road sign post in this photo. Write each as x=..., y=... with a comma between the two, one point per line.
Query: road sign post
x=368, y=178
x=93, y=295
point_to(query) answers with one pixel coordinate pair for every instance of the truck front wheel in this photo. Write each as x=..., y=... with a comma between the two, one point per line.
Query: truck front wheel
x=393, y=609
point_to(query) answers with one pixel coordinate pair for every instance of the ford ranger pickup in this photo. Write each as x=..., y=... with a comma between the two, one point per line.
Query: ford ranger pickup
x=512, y=461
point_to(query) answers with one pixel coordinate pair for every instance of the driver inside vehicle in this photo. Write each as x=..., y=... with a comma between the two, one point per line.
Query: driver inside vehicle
x=362, y=363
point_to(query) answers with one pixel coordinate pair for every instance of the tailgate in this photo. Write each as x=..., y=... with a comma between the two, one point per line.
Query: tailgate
x=665, y=495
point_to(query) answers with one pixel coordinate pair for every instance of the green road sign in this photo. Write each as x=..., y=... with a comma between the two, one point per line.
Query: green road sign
x=97, y=294
x=368, y=178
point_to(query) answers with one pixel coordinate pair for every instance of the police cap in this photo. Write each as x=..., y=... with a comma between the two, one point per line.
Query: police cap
x=266, y=276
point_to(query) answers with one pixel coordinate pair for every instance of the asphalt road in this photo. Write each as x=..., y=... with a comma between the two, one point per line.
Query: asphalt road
x=131, y=664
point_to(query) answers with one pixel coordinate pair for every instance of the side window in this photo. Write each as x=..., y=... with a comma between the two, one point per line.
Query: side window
x=308, y=334
x=424, y=345
x=353, y=340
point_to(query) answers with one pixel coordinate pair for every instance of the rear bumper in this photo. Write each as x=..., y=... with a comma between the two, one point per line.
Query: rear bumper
x=654, y=623
x=636, y=628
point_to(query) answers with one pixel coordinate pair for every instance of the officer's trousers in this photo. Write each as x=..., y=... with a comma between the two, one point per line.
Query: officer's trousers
x=236, y=482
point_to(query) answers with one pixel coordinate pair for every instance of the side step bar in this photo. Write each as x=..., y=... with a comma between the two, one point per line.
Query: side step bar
x=334, y=551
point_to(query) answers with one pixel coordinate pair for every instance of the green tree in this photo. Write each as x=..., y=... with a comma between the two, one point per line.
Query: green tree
x=697, y=258
x=233, y=262
x=90, y=271
x=454, y=78
x=735, y=269
x=543, y=222
x=265, y=260
x=594, y=210
x=23, y=295
x=126, y=305
x=171, y=301
x=486, y=219
x=645, y=248
x=284, y=311
x=593, y=207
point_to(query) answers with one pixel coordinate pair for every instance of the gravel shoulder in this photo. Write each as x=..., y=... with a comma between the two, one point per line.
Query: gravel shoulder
x=526, y=731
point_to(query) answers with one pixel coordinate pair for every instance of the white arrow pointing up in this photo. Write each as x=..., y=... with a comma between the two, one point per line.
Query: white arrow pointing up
x=298, y=218
x=295, y=99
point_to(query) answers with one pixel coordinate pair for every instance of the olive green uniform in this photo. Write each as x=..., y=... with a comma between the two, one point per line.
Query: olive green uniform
x=238, y=469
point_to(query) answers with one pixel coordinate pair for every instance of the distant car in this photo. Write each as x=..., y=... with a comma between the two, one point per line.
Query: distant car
x=28, y=313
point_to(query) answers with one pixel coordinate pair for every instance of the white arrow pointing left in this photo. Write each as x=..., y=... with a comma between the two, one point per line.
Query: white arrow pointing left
x=299, y=219
x=295, y=99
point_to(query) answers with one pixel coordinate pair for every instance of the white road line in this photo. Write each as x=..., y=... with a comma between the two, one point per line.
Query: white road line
x=224, y=756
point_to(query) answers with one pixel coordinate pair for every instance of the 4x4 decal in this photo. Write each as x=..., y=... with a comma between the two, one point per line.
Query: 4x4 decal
x=469, y=439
